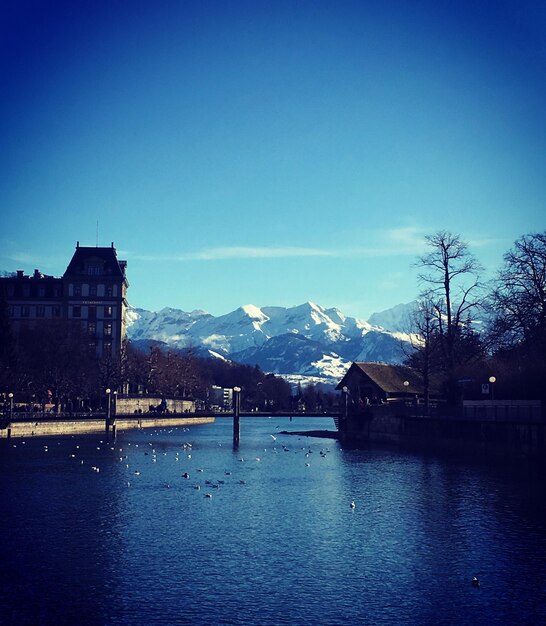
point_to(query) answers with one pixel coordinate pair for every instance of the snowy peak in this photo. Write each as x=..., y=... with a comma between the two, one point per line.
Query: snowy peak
x=395, y=319
x=305, y=339
x=254, y=313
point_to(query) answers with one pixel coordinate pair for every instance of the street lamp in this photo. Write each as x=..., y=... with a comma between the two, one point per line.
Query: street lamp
x=10, y=396
x=236, y=415
x=343, y=417
x=108, y=392
x=492, y=381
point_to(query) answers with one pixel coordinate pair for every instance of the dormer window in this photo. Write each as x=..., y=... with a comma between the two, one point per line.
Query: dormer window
x=93, y=270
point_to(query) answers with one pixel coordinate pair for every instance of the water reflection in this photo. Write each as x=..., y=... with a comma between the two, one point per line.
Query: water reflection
x=281, y=547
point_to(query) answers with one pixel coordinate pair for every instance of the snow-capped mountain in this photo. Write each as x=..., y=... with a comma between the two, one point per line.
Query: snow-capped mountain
x=395, y=319
x=305, y=340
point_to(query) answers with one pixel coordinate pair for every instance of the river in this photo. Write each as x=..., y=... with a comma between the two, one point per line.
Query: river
x=95, y=532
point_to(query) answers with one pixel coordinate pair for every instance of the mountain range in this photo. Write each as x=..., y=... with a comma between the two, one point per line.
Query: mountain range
x=306, y=343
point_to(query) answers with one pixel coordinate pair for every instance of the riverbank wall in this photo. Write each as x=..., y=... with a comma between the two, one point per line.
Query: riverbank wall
x=86, y=426
x=395, y=424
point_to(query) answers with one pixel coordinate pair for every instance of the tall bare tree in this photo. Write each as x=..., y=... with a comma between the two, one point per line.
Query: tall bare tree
x=451, y=280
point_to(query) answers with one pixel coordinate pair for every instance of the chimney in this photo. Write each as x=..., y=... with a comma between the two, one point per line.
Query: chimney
x=20, y=273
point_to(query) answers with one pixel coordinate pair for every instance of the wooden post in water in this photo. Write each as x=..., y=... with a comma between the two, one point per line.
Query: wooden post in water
x=236, y=415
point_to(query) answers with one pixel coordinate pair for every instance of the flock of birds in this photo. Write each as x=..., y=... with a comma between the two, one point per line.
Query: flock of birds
x=149, y=449
x=186, y=453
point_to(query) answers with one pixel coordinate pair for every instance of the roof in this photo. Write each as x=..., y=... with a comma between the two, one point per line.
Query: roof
x=390, y=378
x=105, y=259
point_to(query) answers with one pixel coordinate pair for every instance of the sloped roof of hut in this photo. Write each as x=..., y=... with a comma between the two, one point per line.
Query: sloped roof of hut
x=390, y=378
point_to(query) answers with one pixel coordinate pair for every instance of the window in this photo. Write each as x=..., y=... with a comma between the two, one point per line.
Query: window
x=108, y=310
x=92, y=348
x=76, y=311
x=56, y=311
x=92, y=328
x=108, y=330
x=107, y=348
x=77, y=290
x=93, y=270
x=92, y=312
x=41, y=291
x=25, y=311
x=40, y=310
x=10, y=311
x=109, y=290
x=93, y=290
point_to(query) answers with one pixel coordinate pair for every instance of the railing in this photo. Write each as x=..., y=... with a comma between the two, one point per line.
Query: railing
x=486, y=410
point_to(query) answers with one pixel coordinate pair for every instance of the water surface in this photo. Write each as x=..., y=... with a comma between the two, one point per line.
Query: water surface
x=277, y=543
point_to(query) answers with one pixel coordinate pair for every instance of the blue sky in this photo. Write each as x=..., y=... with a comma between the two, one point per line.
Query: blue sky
x=269, y=152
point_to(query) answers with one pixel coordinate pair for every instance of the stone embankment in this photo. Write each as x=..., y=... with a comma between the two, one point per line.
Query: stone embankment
x=45, y=428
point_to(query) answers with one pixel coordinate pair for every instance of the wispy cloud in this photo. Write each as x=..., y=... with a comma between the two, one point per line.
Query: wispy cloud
x=394, y=242
x=243, y=252
x=238, y=252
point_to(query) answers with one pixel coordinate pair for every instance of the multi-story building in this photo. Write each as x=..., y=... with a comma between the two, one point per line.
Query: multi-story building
x=92, y=290
x=220, y=397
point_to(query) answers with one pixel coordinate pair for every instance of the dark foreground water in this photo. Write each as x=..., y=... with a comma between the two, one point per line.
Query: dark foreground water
x=81, y=546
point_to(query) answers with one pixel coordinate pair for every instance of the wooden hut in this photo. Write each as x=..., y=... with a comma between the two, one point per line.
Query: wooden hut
x=376, y=383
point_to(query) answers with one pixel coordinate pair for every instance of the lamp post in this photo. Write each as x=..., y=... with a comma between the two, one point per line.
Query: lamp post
x=108, y=407
x=10, y=396
x=492, y=381
x=236, y=415
x=406, y=385
x=113, y=413
x=343, y=428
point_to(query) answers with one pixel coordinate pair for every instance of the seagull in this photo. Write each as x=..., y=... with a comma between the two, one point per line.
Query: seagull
x=475, y=581
x=273, y=437
x=353, y=504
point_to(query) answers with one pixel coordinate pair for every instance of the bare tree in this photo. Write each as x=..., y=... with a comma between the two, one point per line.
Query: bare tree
x=425, y=344
x=450, y=276
x=518, y=299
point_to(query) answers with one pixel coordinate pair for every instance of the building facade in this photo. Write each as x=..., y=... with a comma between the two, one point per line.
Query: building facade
x=92, y=291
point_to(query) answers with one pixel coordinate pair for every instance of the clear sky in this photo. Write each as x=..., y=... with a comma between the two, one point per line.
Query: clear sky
x=269, y=152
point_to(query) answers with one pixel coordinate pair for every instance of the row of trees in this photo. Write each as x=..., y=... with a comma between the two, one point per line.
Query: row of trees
x=51, y=363
x=466, y=329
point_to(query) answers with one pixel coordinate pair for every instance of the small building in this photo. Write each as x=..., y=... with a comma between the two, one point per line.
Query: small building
x=221, y=398
x=377, y=383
